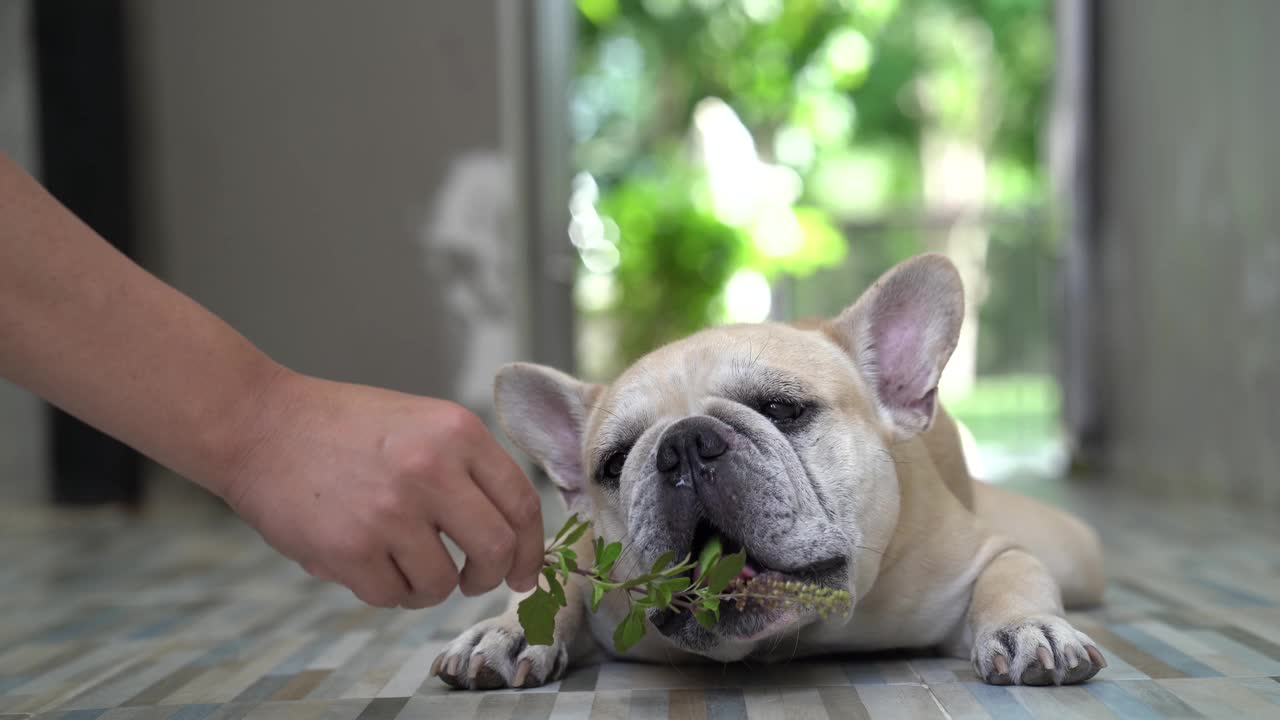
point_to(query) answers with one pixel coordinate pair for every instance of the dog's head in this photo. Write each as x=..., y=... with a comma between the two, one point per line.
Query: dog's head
x=774, y=437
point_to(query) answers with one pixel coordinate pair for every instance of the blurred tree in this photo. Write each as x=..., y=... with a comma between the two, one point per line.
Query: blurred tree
x=847, y=110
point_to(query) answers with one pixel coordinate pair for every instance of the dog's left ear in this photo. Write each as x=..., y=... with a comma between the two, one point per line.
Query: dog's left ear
x=544, y=412
x=901, y=333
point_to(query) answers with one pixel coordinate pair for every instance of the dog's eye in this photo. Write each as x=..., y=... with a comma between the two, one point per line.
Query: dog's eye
x=612, y=467
x=781, y=411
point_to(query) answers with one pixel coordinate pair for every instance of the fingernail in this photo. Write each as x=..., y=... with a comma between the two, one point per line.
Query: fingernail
x=454, y=663
x=1046, y=657
x=522, y=673
x=1002, y=665
x=1072, y=661
x=1096, y=656
x=435, y=666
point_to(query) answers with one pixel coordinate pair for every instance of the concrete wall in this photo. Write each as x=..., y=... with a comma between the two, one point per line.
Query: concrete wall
x=330, y=178
x=1188, y=171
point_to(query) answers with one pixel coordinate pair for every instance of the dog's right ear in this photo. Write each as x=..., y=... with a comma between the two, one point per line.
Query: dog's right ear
x=901, y=333
x=544, y=412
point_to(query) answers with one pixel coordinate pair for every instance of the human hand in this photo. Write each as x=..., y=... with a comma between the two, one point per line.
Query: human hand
x=356, y=484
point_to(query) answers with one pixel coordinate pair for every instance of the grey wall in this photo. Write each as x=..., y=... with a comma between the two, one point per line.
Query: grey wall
x=21, y=419
x=293, y=155
x=1188, y=212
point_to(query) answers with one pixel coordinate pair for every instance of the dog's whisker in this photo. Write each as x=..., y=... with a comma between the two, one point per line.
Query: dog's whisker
x=605, y=410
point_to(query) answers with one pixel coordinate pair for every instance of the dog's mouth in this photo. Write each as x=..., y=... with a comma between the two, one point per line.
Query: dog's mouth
x=816, y=572
x=704, y=532
x=750, y=618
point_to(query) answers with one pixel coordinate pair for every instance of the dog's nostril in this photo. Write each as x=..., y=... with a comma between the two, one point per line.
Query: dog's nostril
x=710, y=444
x=668, y=457
x=688, y=449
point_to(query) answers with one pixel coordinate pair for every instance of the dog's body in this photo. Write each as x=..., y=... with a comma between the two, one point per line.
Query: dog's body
x=819, y=449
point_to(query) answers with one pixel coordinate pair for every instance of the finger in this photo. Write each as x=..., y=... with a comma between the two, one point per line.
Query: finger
x=377, y=582
x=317, y=570
x=502, y=481
x=466, y=515
x=426, y=565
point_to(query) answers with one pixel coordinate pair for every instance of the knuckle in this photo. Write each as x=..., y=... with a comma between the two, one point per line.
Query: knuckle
x=416, y=460
x=389, y=503
x=459, y=422
x=357, y=547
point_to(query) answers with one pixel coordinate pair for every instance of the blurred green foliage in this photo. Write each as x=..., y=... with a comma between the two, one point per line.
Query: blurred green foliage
x=674, y=260
x=838, y=93
x=1015, y=412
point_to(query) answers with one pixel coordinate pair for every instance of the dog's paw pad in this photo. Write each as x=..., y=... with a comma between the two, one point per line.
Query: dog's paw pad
x=495, y=655
x=1036, y=650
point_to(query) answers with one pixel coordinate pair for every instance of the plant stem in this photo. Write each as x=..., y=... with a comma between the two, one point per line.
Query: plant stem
x=680, y=600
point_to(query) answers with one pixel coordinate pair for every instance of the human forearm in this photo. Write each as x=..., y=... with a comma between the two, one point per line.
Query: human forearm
x=87, y=329
x=354, y=483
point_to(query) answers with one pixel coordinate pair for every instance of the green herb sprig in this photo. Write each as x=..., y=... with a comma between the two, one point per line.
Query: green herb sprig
x=667, y=585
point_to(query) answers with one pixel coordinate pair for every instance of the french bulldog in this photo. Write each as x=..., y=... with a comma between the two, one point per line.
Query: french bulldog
x=822, y=451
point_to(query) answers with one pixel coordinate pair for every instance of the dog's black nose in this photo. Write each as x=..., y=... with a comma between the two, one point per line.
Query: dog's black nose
x=687, y=446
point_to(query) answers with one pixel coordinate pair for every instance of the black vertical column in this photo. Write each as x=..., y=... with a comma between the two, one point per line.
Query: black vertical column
x=84, y=162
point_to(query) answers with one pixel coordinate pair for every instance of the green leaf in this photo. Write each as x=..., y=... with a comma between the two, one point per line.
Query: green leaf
x=660, y=594
x=568, y=560
x=725, y=571
x=630, y=631
x=597, y=593
x=606, y=557
x=705, y=618
x=712, y=604
x=676, y=584
x=710, y=554
x=537, y=615
x=565, y=529
x=576, y=533
x=557, y=591
x=661, y=591
x=663, y=561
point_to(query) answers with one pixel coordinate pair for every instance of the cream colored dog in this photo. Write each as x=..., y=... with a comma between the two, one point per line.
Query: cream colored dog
x=823, y=453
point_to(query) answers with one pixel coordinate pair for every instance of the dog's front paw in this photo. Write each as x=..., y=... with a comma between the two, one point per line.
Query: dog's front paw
x=494, y=654
x=1036, y=650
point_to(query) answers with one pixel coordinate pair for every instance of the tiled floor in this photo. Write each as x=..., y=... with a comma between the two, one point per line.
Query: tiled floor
x=191, y=618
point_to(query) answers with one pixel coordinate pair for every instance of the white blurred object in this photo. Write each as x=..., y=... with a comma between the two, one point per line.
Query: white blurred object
x=743, y=188
x=994, y=464
x=747, y=297
x=466, y=245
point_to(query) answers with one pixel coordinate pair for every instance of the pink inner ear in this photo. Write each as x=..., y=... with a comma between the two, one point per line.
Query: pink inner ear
x=903, y=368
x=562, y=459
